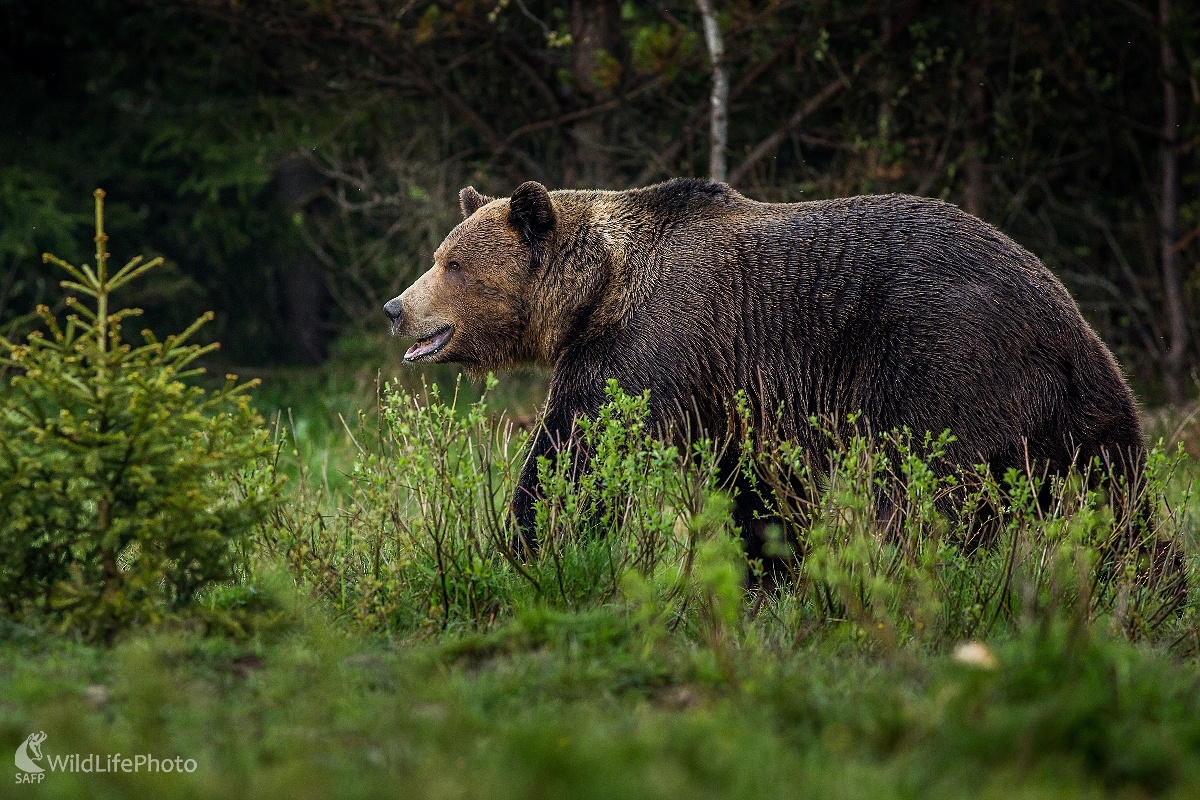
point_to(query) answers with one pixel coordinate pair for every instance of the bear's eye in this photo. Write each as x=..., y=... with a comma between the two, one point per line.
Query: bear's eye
x=453, y=266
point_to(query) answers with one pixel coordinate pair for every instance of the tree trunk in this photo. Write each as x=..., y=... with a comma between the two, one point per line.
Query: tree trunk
x=883, y=115
x=976, y=136
x=596, y=32
x=1173, y=360
x=719, y=100
x=973, y=197
x=303, y=280
x=304, y=305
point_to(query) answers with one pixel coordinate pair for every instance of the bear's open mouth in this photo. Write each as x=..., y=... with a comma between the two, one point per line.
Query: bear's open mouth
x=430, y=345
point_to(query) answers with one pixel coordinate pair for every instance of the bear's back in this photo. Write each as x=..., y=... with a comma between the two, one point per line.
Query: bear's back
x=905, y=308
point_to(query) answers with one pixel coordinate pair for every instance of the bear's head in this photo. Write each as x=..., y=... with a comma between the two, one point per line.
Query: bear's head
x=474, y=305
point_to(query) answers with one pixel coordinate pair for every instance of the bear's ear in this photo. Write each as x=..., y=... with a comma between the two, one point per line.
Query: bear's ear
x=531, y=213
x=471, y=200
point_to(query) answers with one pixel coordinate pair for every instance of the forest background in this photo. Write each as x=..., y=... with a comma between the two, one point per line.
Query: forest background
x=297, y=161
x=322, y=601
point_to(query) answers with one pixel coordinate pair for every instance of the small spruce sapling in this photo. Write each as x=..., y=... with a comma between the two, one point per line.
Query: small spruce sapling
x=124, y=490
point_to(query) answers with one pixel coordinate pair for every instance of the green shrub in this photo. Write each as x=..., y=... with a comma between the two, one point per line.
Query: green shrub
x=422, y=539
x=951, y=557
x=416, y=539
x=643, y=506
x=124, y=490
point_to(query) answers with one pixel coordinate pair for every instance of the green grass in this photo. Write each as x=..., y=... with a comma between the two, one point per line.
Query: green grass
x=581, y=705
x=384, y=646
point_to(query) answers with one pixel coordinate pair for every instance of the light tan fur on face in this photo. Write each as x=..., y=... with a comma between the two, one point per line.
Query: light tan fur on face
x=482, y=299
x=506, y=313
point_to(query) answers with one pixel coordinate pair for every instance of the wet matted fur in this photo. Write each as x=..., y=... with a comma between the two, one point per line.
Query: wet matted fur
x=903, y=308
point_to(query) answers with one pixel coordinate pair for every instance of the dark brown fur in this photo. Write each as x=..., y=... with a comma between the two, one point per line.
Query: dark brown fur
x=903, y=308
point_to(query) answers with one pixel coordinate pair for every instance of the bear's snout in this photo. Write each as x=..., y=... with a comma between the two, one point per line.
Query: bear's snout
x=394, y=310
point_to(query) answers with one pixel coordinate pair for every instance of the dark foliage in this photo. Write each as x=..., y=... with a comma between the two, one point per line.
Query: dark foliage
x=314, y=150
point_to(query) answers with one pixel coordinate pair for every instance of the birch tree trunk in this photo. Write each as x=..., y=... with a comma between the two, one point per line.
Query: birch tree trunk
x=719, y=100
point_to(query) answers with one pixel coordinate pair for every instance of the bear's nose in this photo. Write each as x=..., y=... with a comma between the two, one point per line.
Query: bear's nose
x=394, y=309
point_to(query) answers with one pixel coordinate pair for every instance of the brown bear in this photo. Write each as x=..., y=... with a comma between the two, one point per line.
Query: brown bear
x=905, y=309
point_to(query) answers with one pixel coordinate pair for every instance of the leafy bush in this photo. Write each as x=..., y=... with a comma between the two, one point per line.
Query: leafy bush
x=905, y=551
x=124, y=491
x=423, y=538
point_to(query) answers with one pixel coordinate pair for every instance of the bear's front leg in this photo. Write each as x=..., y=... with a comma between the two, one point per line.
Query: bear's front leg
x=557, y=434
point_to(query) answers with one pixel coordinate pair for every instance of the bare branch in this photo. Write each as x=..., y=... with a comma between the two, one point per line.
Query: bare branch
x=498, y=145
x=545, y=28
x=540, y=85
x=662, y=162
x=772, y=142
x=1144, y=13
